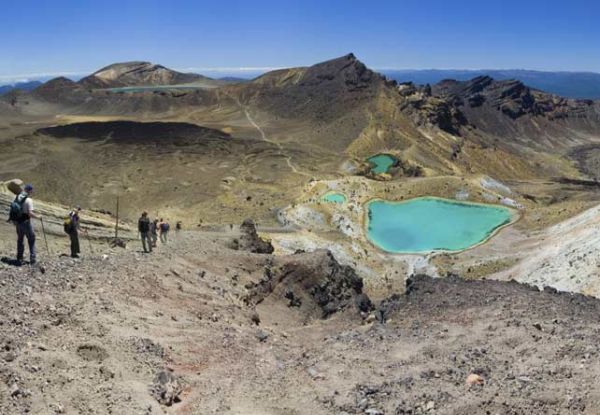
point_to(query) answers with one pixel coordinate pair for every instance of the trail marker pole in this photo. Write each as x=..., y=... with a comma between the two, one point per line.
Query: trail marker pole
x=117, y=222
x=44, y=233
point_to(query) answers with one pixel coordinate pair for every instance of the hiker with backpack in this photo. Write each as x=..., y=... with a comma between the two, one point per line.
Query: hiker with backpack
x=164, y=231
x=21, y=213
x=71, y=227
x=144, y=229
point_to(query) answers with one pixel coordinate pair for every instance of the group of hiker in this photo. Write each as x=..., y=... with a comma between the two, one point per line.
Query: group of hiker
x=21, y=213
x=150, y=230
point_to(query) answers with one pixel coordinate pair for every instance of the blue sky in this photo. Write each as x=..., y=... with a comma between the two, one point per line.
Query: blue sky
x=50, y=37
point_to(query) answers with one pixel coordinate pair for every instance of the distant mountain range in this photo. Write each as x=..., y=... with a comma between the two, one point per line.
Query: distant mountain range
x=583, y=85
x=24, y=86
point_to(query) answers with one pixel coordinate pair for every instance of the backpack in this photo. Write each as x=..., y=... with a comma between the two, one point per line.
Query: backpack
x=164, y=227
x=68, y=224
x=15, y=213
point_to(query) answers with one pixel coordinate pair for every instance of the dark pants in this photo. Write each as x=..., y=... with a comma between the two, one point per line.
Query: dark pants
x=25, y=229
x=146, y=238
x=74, y=235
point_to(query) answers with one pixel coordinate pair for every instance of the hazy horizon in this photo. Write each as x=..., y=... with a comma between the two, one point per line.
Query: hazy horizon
x=249, y=73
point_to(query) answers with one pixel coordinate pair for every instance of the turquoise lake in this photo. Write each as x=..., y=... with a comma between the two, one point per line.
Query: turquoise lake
x=431, y=224
x=334, y=198
x=137, y=89
x=381, y=163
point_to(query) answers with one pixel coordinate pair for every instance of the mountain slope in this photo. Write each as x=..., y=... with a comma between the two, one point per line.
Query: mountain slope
x=137, y=74
x=24, y=86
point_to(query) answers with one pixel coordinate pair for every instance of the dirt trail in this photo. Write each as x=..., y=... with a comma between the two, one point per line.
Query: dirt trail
x=278, y=144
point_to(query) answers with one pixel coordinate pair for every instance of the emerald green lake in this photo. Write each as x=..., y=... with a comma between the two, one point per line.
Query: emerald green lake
x=431, y=224
x=381, y=163
x=334, y=198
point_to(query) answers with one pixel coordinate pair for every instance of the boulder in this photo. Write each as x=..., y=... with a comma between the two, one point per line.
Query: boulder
x=250, y=241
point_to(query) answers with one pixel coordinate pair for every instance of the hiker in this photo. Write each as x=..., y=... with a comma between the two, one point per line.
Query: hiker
x=154, y=232
x=21, y=213
x=164, y=231
x=144, y=229
x=72, y=229
x=178, y=226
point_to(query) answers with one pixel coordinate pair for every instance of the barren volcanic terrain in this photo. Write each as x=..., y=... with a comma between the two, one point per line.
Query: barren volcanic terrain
x=302, y=313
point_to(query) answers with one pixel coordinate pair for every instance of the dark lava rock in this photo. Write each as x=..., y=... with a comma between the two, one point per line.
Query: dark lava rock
x=315, y=283
x=166, y=388
x=250, y=241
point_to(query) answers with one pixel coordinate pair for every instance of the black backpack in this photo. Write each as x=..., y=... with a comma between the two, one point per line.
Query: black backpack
x=15, y=213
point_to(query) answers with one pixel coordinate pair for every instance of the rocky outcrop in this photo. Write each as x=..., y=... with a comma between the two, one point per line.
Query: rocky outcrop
x=511, y=97
x=425, y=109
x=315, y=283
x=250, y=241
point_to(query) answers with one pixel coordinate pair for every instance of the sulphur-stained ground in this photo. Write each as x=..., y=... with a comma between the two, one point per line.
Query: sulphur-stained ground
x=199, y=328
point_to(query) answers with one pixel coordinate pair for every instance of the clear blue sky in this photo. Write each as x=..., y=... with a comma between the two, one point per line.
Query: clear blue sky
x=51, y=36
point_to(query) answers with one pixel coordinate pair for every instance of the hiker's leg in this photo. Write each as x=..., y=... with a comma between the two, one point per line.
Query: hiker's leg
x=149, y=242
x=143, y=235
x=20, y=244
x=73, y=237
x=77, y=249
x=30, y=241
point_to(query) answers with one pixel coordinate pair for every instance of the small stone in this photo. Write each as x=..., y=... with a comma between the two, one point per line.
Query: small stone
x=15, y=390
x=261, y=336
x=314, y=374
x=474, y=379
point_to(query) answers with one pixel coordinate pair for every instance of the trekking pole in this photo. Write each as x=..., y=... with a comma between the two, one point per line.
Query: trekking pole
x=44, y=232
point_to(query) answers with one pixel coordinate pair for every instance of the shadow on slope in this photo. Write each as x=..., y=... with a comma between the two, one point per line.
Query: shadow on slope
x=132, y=132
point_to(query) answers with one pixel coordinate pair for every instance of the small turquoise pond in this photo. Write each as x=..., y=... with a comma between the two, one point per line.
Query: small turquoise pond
x=381, y=163
x=431, y=224
x=334, y=198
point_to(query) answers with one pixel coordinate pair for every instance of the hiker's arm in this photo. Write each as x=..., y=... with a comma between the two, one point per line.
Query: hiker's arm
x=34, y=215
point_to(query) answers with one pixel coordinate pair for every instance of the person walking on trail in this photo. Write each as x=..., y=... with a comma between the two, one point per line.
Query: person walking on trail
x=21, y=213
x=144, y=229
x=73, y=231
x=154, y=232
x=164, y=231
